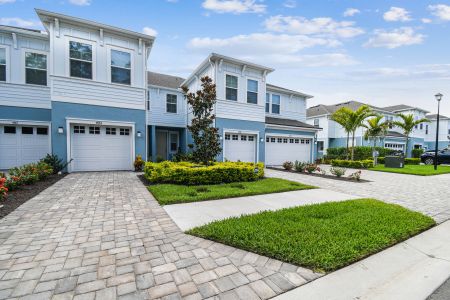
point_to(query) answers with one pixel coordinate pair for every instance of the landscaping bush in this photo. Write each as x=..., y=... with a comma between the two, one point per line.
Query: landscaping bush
x=412, y=161
x=338, y=171
x=3, y=189
x=196, y=174
x=416, y=153
x=356, y=164
x=54, y=162
x=299, y=166
x=288, y=165
x=361, y=152
x=310, y=168
x=138, y=163
x=380, y=160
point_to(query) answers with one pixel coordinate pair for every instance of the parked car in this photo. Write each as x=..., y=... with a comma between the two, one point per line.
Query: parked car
x=443, y=157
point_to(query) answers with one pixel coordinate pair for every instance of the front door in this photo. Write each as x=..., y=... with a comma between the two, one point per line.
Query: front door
x=161, y=144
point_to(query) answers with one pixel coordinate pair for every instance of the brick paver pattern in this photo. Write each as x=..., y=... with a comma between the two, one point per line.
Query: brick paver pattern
x=103, y=236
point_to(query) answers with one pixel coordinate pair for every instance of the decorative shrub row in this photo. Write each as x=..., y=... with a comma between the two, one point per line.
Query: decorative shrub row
x=194, y=174
x=24, y=175
x=355, y=164
x=408, y=161
x=361, y=152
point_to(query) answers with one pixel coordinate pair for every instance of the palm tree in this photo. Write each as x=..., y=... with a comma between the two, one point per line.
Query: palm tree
x=407, y=124
x=341, y=116
x=375, y=128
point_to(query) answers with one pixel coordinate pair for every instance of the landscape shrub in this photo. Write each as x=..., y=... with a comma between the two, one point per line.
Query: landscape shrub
x=356, y=176
x=196, y=174
x=288, y=165
x=355, y=164
x=412, y=161
x=138, y=163
x=310, y=168
x=3, y=189
x=416, y=153
x=338, y=171
x=300, y=166
x=54, y=162
x=361, y=152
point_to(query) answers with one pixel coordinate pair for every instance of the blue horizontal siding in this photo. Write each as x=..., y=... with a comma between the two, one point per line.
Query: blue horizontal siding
x=25, y=113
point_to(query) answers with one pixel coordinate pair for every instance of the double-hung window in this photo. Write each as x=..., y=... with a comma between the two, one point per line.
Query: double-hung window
x=80, y=60
x=252, y=91
x=316, y=122
x=35, y=68
x=171, y=103
x=2, y=64
x=120, y=67
x=231, y=87
x=267, y=103
x=276, y=104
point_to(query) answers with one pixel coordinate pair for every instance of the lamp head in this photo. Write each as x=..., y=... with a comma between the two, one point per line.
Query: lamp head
x=438, y=97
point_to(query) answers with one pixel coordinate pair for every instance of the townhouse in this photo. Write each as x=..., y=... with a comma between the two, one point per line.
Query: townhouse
x=422, y=137
x=81, y=90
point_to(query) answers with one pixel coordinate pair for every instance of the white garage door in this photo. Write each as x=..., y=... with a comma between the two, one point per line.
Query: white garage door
x=240, y=147
x=22, y=144
x=280, y=149
x=100, y=148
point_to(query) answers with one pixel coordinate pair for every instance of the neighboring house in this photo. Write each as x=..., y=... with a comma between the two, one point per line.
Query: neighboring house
x=444, y=132
x=81, y=90
x=257, y=121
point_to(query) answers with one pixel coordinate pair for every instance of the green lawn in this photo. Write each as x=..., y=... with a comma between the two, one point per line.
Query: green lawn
x=172, y=193
x=422, y=170
x=322, y=237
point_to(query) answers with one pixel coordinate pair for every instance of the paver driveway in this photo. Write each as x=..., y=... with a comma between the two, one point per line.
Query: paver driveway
x=427, y=194
x=102, y=235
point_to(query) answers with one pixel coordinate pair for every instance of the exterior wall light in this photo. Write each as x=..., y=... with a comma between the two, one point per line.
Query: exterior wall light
x=60, y=130
x=139, y=134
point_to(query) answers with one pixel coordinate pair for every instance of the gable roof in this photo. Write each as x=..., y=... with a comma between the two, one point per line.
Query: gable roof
x=287, y=91
x=402, y=107
x=24, y=31
x=434, y=117
x=323, y=109
x=289, y=122
x=394, y=134
x=164, y=80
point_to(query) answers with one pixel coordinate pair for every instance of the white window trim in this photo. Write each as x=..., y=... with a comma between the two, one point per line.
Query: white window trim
x=168, y=141
x=246, y=90
x=8, y=63
x=23, y=66
x=237, y=89
x=165, y=104
x=132, y=58
x=68, y=39
x=271, y=103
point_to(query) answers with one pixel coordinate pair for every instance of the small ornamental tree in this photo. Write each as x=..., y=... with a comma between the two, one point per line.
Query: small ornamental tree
x=204, y=134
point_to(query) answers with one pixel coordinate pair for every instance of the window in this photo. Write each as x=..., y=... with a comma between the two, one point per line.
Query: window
x=235, y=137
x=316, y=122
x=251, y=138
x=252, y=91
x=2, y=64
x=35, y=68
x=302, y=141
x=267, y=140
x=171, y=103
x=227, y=137
x=80, y=60
x=297, y=141
x=285, y=141
x=173, y=142
x=42, y=131
x=307, y=141
x=243, y=137
x=120, y=67
x=124, y=131
x=9, y=129
x=272, y=140
x=276, y=104
x=94, y=130
x=291, y=141
x=267, y=103
x=421, y=126
x=426, y=129
x=320, y=146
x=231, y=87
x=448, y=131
x=110, y=130
x=279, y=140
x=78, y=129
x=148, y=100
x=27, y=130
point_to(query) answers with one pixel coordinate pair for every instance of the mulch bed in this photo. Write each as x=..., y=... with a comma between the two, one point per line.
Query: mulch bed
x=343, y=178
x=17, y=197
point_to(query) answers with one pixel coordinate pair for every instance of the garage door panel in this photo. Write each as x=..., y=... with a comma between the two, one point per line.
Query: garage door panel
x=240, y=147
x=280, y=149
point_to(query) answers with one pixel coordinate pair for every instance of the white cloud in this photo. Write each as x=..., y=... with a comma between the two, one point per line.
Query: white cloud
x=19, y=22
x=404, y=36
x=441, y=11
x=172, y=1
x=290, y=3
x=7, y=1
x=397, y=14
x=80, y=2
x=350, y=12
x=234, y=6
x=425, y=20
x=318, y=26
x=429, y=71
x=150, y=31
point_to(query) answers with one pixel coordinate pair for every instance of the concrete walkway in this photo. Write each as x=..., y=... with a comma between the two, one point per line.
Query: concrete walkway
x=410, y=270
x=190, y=215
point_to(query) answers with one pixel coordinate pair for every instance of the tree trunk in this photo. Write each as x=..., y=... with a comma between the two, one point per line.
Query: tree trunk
x=353, y=145
x=348, y=139
x=406, y=146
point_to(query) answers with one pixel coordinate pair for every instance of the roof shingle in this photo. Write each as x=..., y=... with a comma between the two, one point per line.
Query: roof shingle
x=164, y=80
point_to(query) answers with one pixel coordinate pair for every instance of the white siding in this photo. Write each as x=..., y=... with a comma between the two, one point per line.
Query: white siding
x=291, y=107
x=157, y=114
x=23, y=95
x=239, y=111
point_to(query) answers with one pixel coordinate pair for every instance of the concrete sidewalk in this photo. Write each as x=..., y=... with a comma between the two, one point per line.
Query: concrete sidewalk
x=410, y=270
x=190, y=215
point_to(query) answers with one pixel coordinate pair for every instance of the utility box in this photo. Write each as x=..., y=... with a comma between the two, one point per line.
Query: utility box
x=394, y=162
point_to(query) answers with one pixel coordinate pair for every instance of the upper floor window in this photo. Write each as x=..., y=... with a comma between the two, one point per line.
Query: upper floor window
x=120, y=67
x=426, y=129
x=316, y=122
x=80, y=60
x=171, y=103
x=421, y=126
x=231, y=87
x=35, y=68
x=267, y=102
x=252, y=91
x=276, y=104
x=2, y=64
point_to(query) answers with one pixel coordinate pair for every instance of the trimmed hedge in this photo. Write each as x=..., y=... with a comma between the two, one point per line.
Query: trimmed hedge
x=188, y=173
x=408, y=161
x=361, y=152
x=355, y=164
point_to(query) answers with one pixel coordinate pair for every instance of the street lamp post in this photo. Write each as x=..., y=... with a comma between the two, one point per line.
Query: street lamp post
x=438, y=98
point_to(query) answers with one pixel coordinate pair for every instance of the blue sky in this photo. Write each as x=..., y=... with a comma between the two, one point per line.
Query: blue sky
x=380, y=52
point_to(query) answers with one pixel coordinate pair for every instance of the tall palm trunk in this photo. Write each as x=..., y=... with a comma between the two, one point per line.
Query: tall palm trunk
x=348, y=140
x=406, y=146
x=353, y=144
